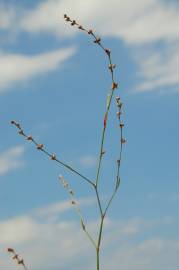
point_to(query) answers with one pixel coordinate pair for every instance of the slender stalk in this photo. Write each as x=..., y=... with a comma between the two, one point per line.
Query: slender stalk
x=98, y=200
x=99, y=244
x=102, y=139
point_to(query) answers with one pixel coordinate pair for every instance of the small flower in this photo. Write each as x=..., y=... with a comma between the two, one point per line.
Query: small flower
x=67, y=19
x=90, y=32
x=21, y=262
x=118, y=114
x=53, y=157
x=73, y=22
x=108, y=52
x=97, y=40
x=121, y=125
x=71, y=192
x=64, y=183
x=21, y=132
x=11, y=250
x=29, y=138
x=15, y=257
x=80, y=27
x=114, y=86
x=40, y=146
x=117, y=99
x=123, y=140
x=112, y=66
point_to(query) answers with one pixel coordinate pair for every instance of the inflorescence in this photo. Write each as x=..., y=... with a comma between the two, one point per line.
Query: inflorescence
x=16, y=257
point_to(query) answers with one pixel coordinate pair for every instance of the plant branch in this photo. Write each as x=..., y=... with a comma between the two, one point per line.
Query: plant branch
x=52, y=156
x=16, y=258
x=70, y=192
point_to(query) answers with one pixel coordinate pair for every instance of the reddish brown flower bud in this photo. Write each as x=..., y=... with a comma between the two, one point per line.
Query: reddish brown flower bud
x=114, y=86
x=40, y=146
x=118, y=114
x=117, y=99
x=21, y=262
x=11, y=250
x=21, y=132
x=73, y=22
x=123, y=140
x=29, y=138
x=80, y=27
x=97, y=40
x=71, y=192
x=112, y=66
x=67, y=19
x=90, y=32
x=121, y=125
x=15, y=257
x=108, y=51
x=53, y=157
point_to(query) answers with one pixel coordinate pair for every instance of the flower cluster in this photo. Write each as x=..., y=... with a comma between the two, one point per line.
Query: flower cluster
x=16, y=257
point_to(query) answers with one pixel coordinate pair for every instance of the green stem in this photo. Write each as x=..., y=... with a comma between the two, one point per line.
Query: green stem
x=99, y=243
x=97, y=259
x=102, y=141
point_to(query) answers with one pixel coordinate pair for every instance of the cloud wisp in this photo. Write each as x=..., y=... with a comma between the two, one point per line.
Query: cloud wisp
x=140, y=24
x=56, y=242
x=16, y=67
x=11, y=159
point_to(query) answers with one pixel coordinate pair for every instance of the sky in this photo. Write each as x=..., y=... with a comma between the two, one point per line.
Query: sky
x=54, y=81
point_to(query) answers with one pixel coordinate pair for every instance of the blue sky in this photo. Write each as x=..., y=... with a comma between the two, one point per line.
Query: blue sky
x=54, y=81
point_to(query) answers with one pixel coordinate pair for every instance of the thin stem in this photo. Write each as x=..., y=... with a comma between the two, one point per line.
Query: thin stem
x=99, y=243
x=118, y=163
x=90, y=238
x=99, y=202
x=103, y=138
x=97, y=259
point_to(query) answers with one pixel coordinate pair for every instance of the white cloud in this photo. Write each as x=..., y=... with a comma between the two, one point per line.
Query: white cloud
x=158, y=68
x=140, y=24
x=11, y=159
x=61, y=243
x=16, y=67
x=7, y=16
x=55, y=209
x=135, y=22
